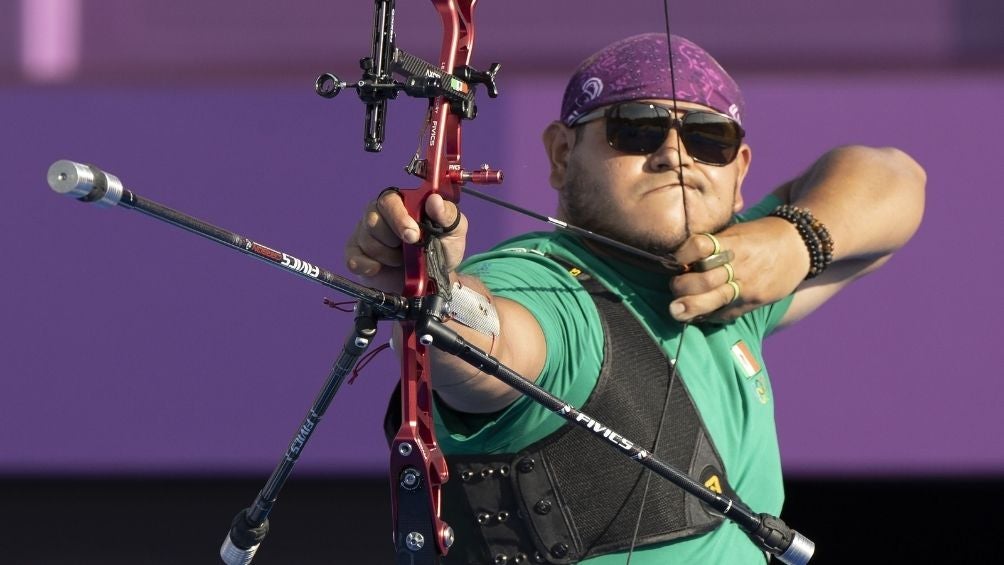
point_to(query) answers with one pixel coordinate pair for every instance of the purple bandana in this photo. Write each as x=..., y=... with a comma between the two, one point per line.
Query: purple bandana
x=637, y=68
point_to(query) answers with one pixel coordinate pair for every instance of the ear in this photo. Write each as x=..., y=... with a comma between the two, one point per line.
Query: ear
x=742, y=163
x=558, y=142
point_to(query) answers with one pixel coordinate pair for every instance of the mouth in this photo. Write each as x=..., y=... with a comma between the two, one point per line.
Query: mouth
x=674, y=187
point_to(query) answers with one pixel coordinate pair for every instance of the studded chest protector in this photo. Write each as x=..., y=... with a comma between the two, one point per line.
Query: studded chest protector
x=568, y=497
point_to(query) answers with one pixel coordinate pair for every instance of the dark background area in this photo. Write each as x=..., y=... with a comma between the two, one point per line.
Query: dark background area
x=324, y=522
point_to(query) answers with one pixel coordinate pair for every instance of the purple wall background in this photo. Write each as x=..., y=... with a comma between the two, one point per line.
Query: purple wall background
x=127, y=346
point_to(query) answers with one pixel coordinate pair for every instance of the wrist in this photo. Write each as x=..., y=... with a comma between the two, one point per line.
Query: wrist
x=814, y=235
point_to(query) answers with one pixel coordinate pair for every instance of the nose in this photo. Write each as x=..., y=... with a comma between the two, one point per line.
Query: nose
x=671, y=154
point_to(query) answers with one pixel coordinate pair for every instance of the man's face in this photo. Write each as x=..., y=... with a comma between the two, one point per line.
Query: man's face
x=638, y=199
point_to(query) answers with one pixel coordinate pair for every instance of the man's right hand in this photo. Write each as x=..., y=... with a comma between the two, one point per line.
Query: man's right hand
x=374, y=249
x=374, y=252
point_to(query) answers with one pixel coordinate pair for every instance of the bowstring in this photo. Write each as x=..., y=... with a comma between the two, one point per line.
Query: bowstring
x=683, y=328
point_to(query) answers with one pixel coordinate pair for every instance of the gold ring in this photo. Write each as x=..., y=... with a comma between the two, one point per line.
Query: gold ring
x=714, y=240
x=730, y=271
x=735, y=291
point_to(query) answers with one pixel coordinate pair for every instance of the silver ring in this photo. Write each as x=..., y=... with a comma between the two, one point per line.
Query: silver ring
x=713, y=261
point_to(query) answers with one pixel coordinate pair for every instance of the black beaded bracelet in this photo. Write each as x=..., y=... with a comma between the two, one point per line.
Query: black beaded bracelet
x=815, y=235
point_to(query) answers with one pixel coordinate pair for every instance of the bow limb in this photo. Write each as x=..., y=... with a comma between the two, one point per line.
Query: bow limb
x=417, y=464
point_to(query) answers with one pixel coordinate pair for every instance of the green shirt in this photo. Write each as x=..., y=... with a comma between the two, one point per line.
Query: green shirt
x=721, y=366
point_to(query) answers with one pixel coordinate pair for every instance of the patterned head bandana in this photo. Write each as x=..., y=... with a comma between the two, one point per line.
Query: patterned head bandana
x=637, y=68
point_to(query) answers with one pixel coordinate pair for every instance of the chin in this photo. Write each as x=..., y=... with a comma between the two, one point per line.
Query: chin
x=657, y=242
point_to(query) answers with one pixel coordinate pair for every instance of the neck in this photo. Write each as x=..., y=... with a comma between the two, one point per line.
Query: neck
x=618, y=257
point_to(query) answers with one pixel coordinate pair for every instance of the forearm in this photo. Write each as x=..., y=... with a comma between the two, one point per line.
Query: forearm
x=870, y=199
x=519, y=345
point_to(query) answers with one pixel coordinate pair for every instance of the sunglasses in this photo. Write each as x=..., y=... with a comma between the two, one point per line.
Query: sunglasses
x=641, y=128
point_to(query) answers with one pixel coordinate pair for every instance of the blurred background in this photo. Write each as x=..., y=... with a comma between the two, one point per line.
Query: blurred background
x=151, y=380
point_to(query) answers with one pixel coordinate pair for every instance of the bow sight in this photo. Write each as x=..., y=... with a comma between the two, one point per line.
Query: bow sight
x=421, y=80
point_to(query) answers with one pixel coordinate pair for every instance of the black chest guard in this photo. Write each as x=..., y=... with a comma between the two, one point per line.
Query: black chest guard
x=567, y=497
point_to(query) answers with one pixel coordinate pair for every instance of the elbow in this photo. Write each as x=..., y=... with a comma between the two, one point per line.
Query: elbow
x=905, y=167
x=907, y=183
x=901, y=182
x=886, y=161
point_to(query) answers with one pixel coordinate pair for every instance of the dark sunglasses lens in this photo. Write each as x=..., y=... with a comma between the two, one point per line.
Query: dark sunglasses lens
x=637, y=128
x=711, y=138
x=641, y=129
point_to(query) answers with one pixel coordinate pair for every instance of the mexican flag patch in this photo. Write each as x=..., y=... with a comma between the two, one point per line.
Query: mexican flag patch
x=745, y=358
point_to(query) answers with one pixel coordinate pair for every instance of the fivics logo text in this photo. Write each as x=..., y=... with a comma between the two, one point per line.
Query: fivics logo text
x=606, y=432
x=301, y=438
x=299, y=266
